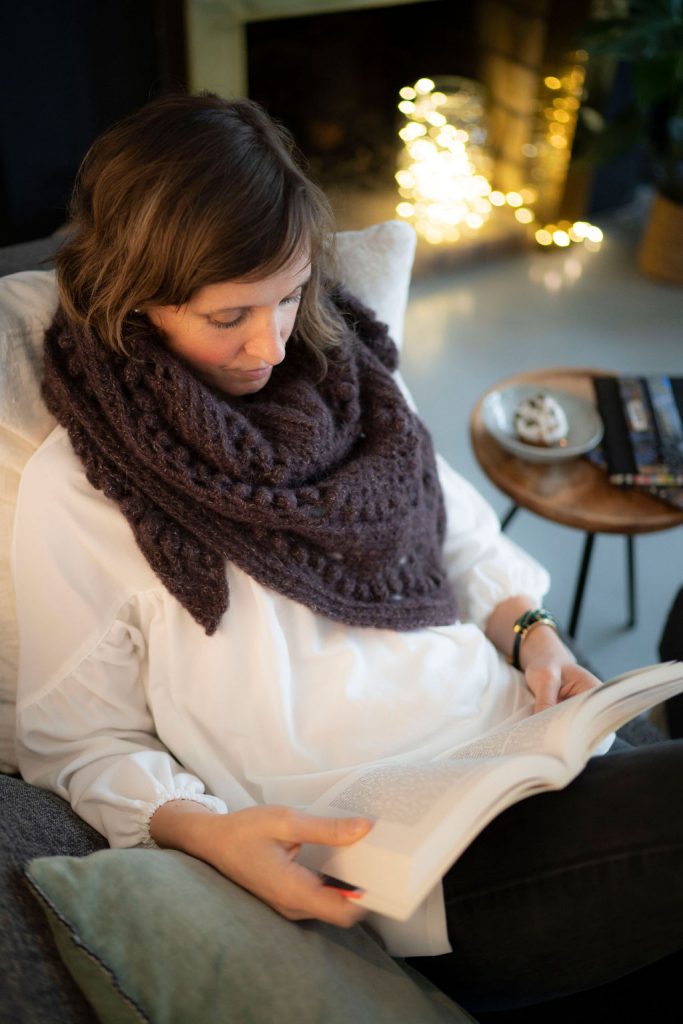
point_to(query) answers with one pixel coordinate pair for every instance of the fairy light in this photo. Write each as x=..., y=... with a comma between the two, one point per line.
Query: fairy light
x=412, y=131
x=562, y=239
x=443, y=178
x=424, y=86
x=547, y=153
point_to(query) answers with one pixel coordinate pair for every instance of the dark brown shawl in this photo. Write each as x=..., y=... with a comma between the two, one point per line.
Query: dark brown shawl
x=325, y=491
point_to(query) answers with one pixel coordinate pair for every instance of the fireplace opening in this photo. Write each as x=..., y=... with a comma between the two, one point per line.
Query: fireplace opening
x=334, y=80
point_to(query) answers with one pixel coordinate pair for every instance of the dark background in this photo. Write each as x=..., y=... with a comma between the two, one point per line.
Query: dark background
x=70, y=68
x=334, y=79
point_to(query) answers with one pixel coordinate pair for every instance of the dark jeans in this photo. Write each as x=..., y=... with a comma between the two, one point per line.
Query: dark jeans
x=570, y=891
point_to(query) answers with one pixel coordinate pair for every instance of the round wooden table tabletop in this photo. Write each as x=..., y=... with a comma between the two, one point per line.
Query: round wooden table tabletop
x=572, y=492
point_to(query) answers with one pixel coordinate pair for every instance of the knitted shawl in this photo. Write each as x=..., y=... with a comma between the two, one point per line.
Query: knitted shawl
x=325, y=491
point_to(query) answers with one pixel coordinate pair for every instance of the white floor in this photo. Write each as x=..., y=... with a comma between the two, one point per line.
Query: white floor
x=470, y=328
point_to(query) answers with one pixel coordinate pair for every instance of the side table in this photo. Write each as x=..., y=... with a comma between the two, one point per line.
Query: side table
x=573, y=492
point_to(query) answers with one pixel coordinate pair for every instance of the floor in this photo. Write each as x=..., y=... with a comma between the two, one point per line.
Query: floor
x=469, y=328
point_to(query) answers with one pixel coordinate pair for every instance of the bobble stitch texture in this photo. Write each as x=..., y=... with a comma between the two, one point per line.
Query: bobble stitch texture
x=336, y=478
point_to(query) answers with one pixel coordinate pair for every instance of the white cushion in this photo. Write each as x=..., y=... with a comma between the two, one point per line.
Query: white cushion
x=374, y=264
x=27, y=305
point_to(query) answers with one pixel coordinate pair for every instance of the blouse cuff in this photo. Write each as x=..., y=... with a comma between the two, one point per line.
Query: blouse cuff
x=213, y=803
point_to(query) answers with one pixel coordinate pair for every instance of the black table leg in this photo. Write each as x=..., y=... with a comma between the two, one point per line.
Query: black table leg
x=583, y=573
x=630, y=556
x=581, y=583
x=508, y=517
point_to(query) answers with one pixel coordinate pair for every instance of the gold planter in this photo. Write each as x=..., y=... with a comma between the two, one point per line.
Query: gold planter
x=661, y=250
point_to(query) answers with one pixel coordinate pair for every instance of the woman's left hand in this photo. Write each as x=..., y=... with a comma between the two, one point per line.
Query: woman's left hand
x=550, y=670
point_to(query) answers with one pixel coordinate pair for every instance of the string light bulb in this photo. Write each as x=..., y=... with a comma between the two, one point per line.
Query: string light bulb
x=443, y=176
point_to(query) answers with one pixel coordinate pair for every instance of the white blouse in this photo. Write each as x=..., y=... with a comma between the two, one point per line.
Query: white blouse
x=124, y=702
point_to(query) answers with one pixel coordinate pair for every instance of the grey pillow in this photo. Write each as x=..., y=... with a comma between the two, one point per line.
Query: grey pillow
x=158, y=936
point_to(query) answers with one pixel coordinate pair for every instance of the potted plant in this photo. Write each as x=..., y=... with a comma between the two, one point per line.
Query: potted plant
x=648, y=35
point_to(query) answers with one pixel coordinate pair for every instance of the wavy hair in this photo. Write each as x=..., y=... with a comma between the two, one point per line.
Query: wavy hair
x=190, y=191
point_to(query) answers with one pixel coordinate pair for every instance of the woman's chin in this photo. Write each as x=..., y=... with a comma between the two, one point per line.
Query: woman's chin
x=236, y=385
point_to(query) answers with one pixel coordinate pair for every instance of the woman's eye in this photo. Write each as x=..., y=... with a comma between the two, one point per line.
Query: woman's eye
x=227, y=324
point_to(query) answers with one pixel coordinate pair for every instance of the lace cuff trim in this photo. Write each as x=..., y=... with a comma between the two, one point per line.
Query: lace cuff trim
x=212, y=802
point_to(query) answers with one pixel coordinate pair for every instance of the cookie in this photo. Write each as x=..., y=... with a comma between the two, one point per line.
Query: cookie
x=540, y=420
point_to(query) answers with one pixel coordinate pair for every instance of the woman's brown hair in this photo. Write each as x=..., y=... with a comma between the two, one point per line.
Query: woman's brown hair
x=185, y=192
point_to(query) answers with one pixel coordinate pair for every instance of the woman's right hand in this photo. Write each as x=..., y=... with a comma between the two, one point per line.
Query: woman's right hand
x=257, y=847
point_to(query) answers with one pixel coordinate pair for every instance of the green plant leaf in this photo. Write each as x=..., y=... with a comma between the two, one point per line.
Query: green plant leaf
x=650, y=39
x=591, y=148
x=655, y=80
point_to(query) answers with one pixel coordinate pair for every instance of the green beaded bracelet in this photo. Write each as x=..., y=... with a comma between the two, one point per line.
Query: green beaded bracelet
x=523, y=626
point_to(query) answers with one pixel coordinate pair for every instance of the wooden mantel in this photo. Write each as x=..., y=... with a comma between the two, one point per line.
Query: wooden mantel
x=216, y=32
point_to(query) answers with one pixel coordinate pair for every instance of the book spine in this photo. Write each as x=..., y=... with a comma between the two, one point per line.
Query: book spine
x=668, y=420
x=616, y=441
x=642, y=431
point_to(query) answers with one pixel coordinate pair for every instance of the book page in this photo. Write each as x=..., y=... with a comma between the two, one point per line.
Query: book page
x=401, y=793
x=541, y=733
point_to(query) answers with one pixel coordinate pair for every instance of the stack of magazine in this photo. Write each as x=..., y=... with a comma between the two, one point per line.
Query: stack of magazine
x=643, y=441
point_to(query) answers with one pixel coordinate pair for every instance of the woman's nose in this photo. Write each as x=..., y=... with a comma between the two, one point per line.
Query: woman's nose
x=267, y=342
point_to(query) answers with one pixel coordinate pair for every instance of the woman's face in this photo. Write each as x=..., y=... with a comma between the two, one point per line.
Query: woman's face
x=234, y=333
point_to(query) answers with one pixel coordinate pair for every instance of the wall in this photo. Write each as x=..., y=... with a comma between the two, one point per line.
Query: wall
x=68, y=69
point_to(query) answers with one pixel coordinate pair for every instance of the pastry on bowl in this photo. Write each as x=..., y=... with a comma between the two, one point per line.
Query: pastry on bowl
x=540, y=420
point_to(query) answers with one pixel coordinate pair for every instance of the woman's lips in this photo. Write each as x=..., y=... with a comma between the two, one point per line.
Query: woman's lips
x=249, y=374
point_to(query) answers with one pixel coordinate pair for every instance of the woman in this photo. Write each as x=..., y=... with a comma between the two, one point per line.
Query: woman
x=240, y=569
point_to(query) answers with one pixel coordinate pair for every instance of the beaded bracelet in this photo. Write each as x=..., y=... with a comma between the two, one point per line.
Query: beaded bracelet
x=524, y=625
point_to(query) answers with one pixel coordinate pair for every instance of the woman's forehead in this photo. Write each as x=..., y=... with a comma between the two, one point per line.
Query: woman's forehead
x=255, y=291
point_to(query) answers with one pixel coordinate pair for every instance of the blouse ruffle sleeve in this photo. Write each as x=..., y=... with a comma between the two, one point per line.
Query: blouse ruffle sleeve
x=483, y=565
x=90, y=739
x=84, y=728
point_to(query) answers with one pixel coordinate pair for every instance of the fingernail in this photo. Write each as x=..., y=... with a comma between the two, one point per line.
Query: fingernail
x=358, y=825
x=351, y=894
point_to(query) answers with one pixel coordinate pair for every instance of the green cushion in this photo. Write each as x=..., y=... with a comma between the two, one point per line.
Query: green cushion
x=157, y=935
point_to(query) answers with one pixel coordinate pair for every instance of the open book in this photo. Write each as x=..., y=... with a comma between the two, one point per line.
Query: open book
x=427, y=813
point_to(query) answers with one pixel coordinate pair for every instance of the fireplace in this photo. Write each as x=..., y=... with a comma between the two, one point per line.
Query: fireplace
x=336, y=72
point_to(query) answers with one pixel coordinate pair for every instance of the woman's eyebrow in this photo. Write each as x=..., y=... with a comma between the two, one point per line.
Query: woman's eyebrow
x=233, y=309
x=224, y=309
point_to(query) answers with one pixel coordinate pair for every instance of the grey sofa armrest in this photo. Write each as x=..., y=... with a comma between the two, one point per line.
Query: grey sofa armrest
x=36, y=986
